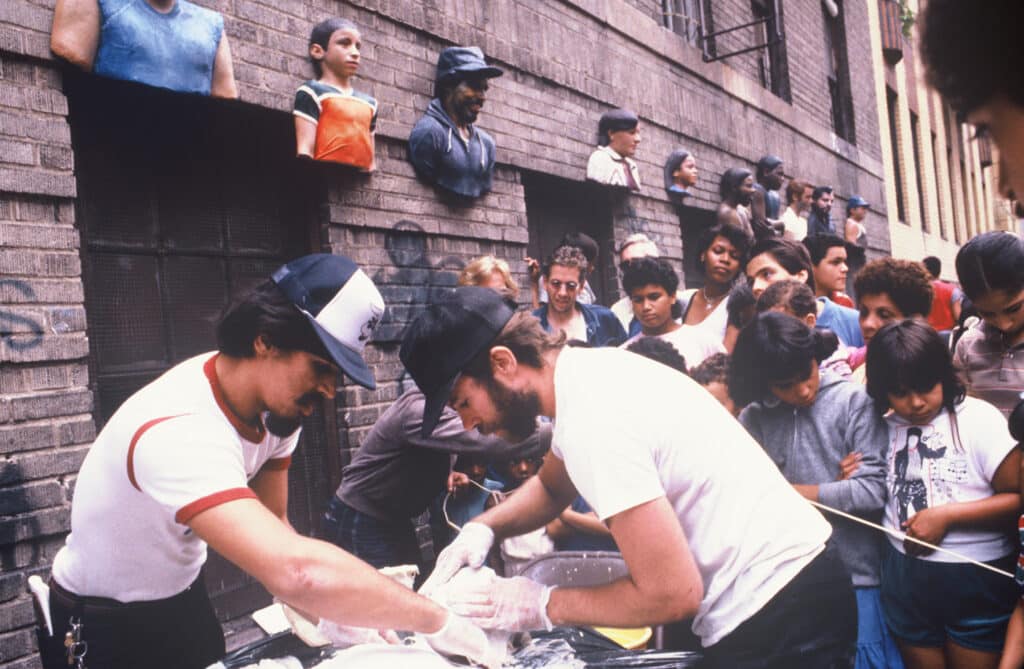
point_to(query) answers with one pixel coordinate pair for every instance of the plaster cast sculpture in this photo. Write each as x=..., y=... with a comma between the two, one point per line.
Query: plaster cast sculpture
x=170, y=44
x=446, y=147
x=333, y=121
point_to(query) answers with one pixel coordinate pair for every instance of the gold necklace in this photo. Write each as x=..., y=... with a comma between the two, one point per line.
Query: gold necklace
x=708, y=304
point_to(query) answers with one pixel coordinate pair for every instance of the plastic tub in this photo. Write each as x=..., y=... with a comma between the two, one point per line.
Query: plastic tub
x=581, y=569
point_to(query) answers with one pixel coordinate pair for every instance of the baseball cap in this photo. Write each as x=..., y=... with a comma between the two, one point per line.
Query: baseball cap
x=445, y=338
x=856, y=201
x=341, y=303
x=463, y=60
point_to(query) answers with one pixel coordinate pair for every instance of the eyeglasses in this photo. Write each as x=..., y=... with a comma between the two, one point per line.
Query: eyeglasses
x=570, y=286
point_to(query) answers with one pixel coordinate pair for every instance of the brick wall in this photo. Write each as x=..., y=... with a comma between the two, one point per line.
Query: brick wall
x=566, y=62
x=45, y=405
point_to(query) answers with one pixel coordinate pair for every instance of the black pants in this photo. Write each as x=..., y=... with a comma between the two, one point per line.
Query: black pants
x=812, y=622
x=180, y=632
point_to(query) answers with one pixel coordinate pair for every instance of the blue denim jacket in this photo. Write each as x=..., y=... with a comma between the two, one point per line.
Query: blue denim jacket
x=603, y=326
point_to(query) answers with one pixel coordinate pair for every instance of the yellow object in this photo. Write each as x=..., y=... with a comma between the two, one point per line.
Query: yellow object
x=634, y=638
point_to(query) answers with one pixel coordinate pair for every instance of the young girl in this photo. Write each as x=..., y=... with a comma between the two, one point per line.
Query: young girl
x=333, y=121
x=809, y=422
x=953, y=482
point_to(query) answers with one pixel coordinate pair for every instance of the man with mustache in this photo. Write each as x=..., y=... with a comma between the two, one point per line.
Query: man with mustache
x=707, y=526
x=199, y=458
x=445, y=147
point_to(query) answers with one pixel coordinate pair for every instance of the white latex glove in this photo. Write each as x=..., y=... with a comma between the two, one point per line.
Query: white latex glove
x=514, y=604
x=469, y=548
x=460, y=637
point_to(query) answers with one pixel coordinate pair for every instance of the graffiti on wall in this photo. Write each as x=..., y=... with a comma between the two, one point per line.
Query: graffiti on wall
x=12, y=323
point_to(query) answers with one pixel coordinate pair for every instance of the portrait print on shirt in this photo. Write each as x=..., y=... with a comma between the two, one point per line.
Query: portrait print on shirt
x=172, y=44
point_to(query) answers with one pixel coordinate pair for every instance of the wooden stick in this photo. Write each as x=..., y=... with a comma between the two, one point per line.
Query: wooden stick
x=903, y=537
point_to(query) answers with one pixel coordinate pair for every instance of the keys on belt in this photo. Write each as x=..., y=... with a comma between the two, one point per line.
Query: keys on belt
x=74, y=644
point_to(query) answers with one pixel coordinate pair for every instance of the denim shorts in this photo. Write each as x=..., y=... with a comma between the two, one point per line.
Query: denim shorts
x=928, y=603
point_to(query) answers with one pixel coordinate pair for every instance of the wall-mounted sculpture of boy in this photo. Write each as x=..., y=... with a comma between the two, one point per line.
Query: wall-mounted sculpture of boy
x=612, y=164
x=680, y=175
x=333, y=121
x=170, y=44
x=446, y=148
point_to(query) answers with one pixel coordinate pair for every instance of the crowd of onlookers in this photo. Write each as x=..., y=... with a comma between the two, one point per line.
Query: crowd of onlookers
x=889, y=407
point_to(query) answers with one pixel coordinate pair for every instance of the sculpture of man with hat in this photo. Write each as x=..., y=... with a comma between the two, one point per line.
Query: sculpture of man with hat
x=445, y=147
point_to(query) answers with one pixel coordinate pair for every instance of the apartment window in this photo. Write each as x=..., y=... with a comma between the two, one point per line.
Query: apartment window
x=914, y=130
x=773, y=71
x=839, y=74
x=897, y=162
x=683, y=18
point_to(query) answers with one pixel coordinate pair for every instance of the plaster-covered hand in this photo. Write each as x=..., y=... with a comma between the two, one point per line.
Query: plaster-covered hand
x=460, y=637
x=515, y=604
x=469, y=548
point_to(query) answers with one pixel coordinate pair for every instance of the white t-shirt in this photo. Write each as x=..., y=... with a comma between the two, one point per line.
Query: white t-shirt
x=693, y=342
x=715, y=323
x=750, y=533
x=796, y=225
x=928, y=467
x=171, y=451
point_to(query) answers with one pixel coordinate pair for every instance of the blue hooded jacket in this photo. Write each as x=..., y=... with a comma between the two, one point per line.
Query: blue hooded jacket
x=440, y=155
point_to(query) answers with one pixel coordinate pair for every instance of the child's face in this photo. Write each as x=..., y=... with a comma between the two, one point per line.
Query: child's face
x=652, y=306
x=917, y=408
x=1003, y=310
x=521, y=469
x=341, y=57
x=720, y=392
x=799, y=392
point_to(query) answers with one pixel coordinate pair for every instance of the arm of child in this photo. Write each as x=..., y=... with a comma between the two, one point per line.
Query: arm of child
x=588, y=523
x=864, y=490
x=995, y=512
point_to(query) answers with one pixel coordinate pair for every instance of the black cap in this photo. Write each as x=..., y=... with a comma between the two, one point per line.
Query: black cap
x=463, y=60
x=341, y=303
x=445, y=338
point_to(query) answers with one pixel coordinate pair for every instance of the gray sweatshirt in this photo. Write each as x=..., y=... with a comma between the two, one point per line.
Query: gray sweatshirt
x=807, y=445
x=396, y=473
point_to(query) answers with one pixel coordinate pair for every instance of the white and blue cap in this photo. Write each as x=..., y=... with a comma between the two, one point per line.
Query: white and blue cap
x=341, y=303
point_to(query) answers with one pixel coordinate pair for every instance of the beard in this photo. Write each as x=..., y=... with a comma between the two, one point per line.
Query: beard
x=280, y=426
x=517, y=411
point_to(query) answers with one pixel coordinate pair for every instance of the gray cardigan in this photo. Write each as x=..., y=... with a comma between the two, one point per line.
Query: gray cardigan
x=807, y=445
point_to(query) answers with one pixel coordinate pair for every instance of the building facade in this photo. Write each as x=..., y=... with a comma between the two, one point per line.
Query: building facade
x=940, y=180
x=130, y=215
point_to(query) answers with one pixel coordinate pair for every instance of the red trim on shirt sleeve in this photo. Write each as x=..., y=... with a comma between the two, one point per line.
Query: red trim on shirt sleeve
x=135, y=440
x=277, y=464
x=190, y=511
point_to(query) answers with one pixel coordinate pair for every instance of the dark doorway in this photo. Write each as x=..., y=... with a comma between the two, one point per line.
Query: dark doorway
x=694, y=222
x=555, y=206
x=184, y=203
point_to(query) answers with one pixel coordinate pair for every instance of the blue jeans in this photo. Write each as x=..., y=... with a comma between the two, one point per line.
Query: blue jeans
x=378, y=542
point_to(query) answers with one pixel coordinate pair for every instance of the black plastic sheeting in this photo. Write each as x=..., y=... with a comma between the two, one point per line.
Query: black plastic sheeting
x=597, y=651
